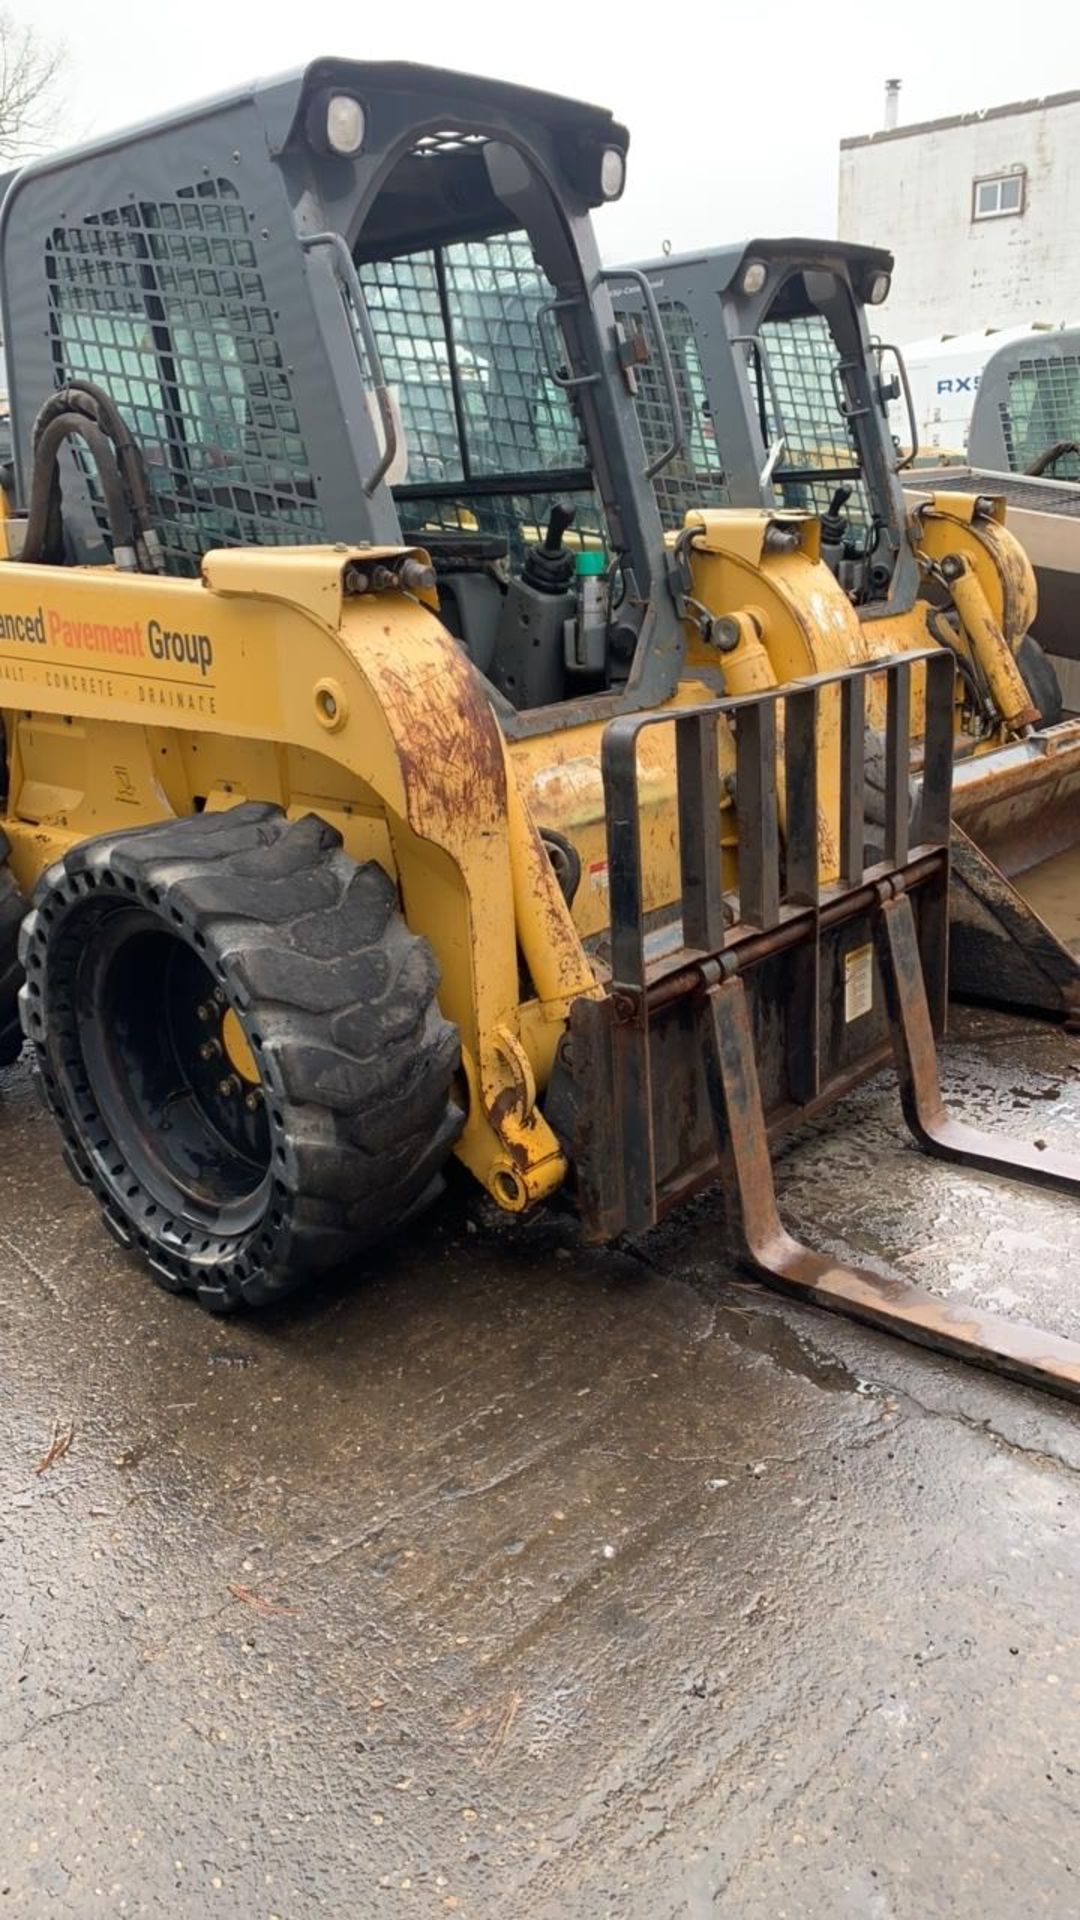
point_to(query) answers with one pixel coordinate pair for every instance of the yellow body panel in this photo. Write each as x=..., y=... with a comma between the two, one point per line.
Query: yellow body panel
x=132, y=698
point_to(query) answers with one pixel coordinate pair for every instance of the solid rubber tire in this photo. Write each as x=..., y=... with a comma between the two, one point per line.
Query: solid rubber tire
x=337, y=1000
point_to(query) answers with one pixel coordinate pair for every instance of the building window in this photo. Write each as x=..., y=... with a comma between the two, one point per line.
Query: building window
x=1001, y=194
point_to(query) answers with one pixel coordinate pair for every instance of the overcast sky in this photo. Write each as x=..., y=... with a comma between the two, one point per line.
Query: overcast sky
x=735, y=111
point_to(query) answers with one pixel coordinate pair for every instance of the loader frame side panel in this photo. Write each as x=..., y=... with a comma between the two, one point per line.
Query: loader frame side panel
x=274, y=653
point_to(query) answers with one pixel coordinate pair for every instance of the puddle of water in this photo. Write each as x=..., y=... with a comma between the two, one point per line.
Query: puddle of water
x=764, y=1334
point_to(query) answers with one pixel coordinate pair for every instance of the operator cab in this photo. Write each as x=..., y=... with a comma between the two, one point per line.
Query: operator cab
x=785, y=395
x=364, y=303
x=490, y=471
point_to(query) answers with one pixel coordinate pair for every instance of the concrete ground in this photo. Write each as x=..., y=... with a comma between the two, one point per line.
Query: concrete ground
x=506, y=1579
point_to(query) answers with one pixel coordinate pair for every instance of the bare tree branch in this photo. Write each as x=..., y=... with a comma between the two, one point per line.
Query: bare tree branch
x=30, y=68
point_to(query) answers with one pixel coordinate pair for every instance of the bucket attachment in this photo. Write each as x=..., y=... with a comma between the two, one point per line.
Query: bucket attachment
x=1000, y=952
x=1014, y=809
x=762, y=1008
x=1021, y=803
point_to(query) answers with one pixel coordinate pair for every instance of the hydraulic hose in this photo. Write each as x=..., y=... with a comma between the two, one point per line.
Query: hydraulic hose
x=945, y=636
x=82, y=404
x=42, y=540
x=1050, y=457
x=128, y=451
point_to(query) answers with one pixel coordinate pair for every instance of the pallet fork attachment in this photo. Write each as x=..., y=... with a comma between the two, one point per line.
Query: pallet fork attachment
x=701, y=1053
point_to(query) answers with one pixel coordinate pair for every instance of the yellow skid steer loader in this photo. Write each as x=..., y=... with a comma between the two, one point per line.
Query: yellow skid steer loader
x=1024, y=444
x=785, y=397
x=355, y=833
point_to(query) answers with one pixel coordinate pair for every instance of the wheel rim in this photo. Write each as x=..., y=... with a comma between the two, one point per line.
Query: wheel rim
x=150, y=1021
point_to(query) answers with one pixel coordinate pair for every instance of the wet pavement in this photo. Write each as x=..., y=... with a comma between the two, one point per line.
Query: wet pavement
x=511, y=1579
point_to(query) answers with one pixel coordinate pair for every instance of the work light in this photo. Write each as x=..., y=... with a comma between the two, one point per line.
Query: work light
x=344, y=124
x=612, y=173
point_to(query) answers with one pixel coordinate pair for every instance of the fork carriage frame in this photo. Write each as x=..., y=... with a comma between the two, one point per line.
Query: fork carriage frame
x=778, y=1000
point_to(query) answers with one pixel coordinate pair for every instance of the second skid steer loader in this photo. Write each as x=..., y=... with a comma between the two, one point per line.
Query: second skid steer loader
x=354, y=832
x=1024, y=443
x=785, y=397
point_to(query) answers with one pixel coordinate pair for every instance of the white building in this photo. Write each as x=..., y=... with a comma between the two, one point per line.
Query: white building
x=981, y=210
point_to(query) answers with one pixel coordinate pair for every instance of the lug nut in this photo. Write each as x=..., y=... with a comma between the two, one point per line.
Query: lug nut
x=253, y=1100
x=209, y=1050
x=205, y=1011
x=229, y=1086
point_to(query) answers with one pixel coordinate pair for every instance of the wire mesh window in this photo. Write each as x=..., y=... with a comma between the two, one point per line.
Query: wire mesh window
x=458, y=333
x=405, y=307
x=457, y=329
x=695, y=477
x=162, y=303
x=802, y=359
x=515, y=417
x=1042, y=410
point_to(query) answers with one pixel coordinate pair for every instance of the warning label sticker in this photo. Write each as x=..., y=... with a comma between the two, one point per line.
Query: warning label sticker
x=858, y=982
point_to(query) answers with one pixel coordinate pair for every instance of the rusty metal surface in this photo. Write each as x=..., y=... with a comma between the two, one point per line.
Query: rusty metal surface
x=920, y=1086
x=791, y=931
x=1039, y=1358
x=1021, y=804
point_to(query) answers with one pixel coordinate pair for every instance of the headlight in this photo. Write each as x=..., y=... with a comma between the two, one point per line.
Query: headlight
x=878, y=289
x=755, y=277
x=612, y=173
x=344, y=124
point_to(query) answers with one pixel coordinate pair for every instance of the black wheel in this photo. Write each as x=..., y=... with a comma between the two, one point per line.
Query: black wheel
x=240, y=1040
x=12, y=909
x=1040, y=680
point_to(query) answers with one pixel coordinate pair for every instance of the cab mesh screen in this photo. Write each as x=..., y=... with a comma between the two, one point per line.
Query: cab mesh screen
x=1043, y=408
x=802, y=357
x=695, y=477
x=458, y=334
x=162, y=303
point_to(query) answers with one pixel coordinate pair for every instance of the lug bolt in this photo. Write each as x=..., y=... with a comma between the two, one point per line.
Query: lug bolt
x=253, y=1100
x=209, y=1050
x=229, y=1086
x=219, y=996
x=205, y=1011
